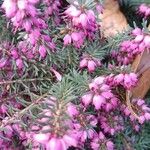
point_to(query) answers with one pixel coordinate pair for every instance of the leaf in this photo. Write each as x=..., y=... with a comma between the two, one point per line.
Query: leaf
x=112, y=19
x=141, y=66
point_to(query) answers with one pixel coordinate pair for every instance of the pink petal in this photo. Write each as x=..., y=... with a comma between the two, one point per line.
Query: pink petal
x=70, y=141
x=87, y=99
x=98, y=100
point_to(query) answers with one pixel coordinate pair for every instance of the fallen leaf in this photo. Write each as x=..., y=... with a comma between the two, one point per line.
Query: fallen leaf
x=112, y=19
x=141, y=66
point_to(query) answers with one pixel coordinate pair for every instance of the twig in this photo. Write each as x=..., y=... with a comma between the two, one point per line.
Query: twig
x=23, y=80
x=19, y=114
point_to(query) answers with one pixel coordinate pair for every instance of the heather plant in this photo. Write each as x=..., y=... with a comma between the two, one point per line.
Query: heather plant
x=62, y=84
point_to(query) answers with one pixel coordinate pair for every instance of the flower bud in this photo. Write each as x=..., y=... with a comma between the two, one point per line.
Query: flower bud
x=98, y=100
x=19, y=63
x=41, y=138
x=87, y=99
x=139, y=38
x=42, y=51
x=67, y=39
x=83, y=63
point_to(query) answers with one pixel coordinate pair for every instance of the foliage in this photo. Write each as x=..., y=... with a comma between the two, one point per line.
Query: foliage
x=62, y=85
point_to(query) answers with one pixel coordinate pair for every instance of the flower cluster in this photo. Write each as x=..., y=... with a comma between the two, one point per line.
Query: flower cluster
x=90, y=63
x=126, y=80
x=81, y=23
x=52, y=9
x=100, y=142
x=100, y=95
x=141, y=109
x=25, y=16
x=131, y=48
x=144, y=10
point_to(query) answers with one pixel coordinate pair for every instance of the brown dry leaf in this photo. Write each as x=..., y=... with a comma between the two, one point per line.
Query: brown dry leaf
x=112, y=19
x=141, y=66
x=149, y=27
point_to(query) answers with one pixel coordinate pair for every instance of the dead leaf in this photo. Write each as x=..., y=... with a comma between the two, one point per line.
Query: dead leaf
x=141, y=66
x=112, y=19
x=143, y=85
x=149, y=26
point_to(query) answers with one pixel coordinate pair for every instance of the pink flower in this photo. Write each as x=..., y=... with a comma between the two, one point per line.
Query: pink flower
x=109, y=145
x=14, y=53
x=99, y=80
x=10, y=7
x=83, y=63
x=107, y=94
x=42, y=51
x=98, y=100
x=91, y=16
x=133, y=77
x=3, y=62
x=76, y=36
x=67, y=39
x=141, y=119
x=147, y=40
x=22, y=4
x=91, y=65
x=87, y=99
x=99, y=8
x=57, y=74
x=18, y=17
x=8, y=131
x=31, y=10
x=33, y=1
x=70, y=141
x=127, y=81
x=41, y=138
x=104, y=88
x=3, y=109
x=72, y=11
x=83, y=19
x=56, y=144
x=139, y=38
x=101, y=136
x=119, y=78
x=136, y=31
x=93, y=86
x=147, y=116
x=143, y=8
x=147, y=13
x=127, y=111
x=27, y=25
x=137, y=128
x=140, y=102
x=108, y=107
x=72, y=110
x=19, y=63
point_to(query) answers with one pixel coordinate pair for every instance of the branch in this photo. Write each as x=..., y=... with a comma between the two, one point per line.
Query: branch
x=22, y=112
x=23, y=80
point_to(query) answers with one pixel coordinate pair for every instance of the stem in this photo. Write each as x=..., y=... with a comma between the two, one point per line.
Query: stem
x=22, y=112
x=23, y=80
